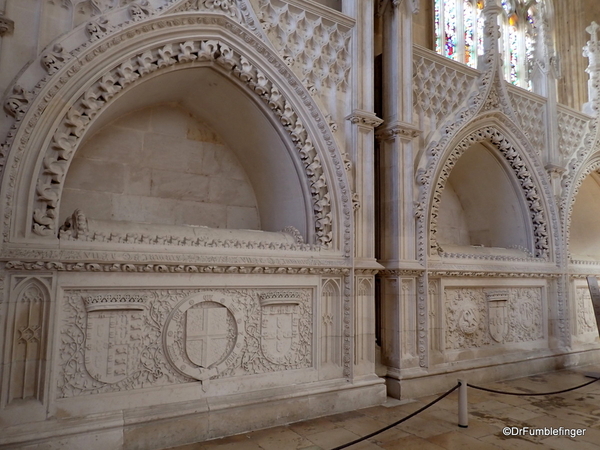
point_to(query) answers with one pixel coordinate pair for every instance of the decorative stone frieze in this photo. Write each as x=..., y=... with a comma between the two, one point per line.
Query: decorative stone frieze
x=181, y=336
x=169, y=268
x=479, y=317
x=104, y=302
x=77, y=228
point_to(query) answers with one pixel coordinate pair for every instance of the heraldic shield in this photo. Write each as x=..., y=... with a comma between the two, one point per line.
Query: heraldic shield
x=498, y=319
x=113, y=344
x=279, y=333
x=207, y=334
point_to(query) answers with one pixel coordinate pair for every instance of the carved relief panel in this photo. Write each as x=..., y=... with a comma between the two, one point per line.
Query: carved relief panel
x=586, y=319
x=363, y=318
x=26, y=332
x=331, y=333
x=478, y=317
x=117, y=341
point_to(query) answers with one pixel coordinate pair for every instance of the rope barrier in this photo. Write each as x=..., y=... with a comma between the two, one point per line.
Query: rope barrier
x=531, y=395
x=399, y=421
x=463, y=422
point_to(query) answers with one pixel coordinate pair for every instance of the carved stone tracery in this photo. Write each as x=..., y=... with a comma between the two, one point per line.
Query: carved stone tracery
x=317, y=49
x=68, y=135
x=530, y=193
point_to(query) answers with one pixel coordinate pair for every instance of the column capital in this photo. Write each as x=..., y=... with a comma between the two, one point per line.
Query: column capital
x=365, y=118
x=396, y=129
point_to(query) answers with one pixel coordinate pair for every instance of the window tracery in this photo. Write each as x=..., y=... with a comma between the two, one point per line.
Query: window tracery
x=458, y=28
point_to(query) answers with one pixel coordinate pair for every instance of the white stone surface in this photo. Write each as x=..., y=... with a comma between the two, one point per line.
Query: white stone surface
x=160, y=165
x=244, y=246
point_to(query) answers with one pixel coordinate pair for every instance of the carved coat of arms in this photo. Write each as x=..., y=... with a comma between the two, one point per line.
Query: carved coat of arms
x=498, y=321
x=112, y=346
x=114, y=336
x=207, y=337
x=280, y=332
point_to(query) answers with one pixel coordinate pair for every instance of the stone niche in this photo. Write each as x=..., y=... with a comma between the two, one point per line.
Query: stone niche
x=160, y=165
x=584, y=244
x=481, y=210
x=172, y=156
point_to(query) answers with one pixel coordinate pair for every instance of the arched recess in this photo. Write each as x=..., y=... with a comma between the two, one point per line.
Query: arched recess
x=91, y=84
x=584, y=243
x=29, y=327
x=481, y=206
x=575, y=208
x=522, y=178
x=184, y=184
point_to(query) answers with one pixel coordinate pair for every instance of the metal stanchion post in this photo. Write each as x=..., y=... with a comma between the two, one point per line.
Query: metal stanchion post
x=463, y=412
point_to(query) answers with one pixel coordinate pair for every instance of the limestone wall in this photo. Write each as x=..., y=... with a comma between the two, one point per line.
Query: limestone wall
x=160, y=165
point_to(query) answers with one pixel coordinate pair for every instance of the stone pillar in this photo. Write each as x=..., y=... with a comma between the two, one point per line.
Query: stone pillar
x=397, y=237
x=361, y=147
x=544, y=76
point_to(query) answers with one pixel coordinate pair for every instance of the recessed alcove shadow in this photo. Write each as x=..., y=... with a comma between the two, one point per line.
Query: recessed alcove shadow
x=482, y=209
x=188, y=147
x=584, y=241
x=334, y=4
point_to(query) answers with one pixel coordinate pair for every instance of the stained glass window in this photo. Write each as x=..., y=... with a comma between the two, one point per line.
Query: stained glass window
x=459, y=34
x=459, y=29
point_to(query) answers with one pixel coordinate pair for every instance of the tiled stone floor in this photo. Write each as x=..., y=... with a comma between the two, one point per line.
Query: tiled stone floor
x=436, y=428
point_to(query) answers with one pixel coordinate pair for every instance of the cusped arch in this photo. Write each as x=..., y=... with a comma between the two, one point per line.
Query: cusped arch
x=496, y=140
x=591, y=165
x=166, y=44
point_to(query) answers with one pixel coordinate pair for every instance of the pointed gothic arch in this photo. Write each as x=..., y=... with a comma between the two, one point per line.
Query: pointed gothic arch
x=522, y=175
x=573, y=185
x=83, y=87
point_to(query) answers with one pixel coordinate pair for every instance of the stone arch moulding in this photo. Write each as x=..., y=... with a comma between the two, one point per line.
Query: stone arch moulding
x=519, y=166
x=592, y=164
x=47, y=135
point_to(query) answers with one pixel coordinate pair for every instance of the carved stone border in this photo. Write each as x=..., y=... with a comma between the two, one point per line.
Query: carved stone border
x=128, y=71
x=108, y=86
x=170, y=268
